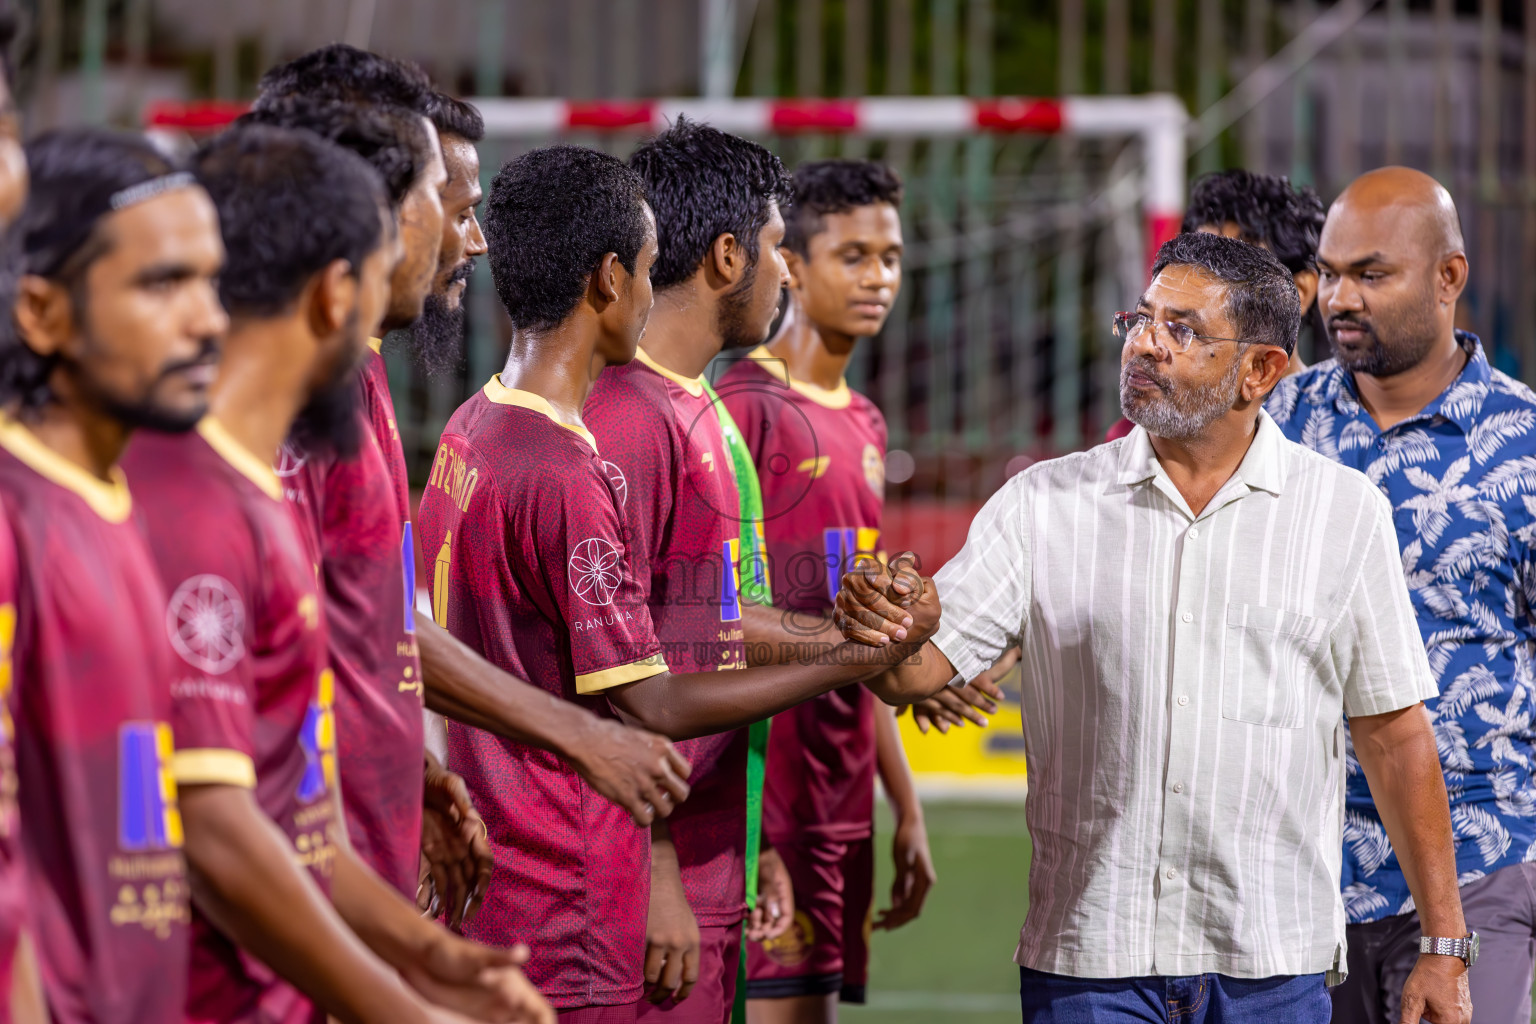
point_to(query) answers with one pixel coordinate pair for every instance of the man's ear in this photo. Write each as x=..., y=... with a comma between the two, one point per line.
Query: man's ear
x=796, y=265
x=1306, y=288
x=606, y=281
x=727, y=258
x=1452, y=277
x=1268, y=366
x=45, y=317
x=332, y=297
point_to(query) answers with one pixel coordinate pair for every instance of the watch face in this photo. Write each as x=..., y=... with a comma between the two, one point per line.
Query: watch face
x=1473, y=945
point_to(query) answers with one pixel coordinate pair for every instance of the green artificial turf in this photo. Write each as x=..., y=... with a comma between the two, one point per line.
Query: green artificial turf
x=955, y=962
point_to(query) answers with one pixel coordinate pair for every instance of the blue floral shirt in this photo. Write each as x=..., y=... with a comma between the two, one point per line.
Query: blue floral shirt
x=1461, y=477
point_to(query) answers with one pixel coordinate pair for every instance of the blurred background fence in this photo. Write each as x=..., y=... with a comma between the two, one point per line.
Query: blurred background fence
x=1020, y=246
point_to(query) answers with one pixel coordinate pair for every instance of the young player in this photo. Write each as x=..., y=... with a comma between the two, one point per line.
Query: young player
x=820, y=452
x=531, y=568
x=369, y=555
x=116, y=327
x=310, y=246
x=717, y=279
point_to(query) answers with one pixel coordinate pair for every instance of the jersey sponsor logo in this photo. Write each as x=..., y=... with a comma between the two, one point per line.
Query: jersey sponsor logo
x=708, y=459
x=730, y=580
x=205, y=620
x=317, y=739
x=454, y=477
x=794, y=947
x=816, y=466
x=290, y=459
x=845, y=545
x=874, y=470
x=440, y=577
x=408, y=575
x=148, y=817
x=616, y=478
x=594, y=571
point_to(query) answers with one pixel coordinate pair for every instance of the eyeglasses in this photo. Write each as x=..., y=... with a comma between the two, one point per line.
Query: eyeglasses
x=1131, y=326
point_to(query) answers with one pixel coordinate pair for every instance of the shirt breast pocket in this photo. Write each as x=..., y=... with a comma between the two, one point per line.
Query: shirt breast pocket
x=1267, y=665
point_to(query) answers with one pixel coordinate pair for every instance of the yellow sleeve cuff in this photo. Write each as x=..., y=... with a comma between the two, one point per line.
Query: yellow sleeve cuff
x=608, y=678
x=213, y=767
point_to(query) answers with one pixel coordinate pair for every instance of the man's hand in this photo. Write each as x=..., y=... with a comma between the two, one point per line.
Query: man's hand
x=958, y=705
x=882, y=604
x=481, y=982
x=671, y=932
x=454, y=847
x=775, y=910
x=1437, y=992
x=914, y=873
x=633, y=769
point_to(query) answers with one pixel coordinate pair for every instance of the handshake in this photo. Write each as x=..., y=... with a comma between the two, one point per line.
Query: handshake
x=879, y=605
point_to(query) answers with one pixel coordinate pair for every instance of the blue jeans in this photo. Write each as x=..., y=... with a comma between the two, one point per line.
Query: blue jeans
x=1201, y=999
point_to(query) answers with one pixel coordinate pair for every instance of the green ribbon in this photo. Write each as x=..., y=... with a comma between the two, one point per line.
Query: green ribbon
x=754, y=585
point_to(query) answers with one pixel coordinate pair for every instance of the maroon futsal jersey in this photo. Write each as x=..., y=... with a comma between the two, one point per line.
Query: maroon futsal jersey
x=13, y=901
x=820, y=456
x=660, y=436
x=100, y=830
x=521, y=521
x=251, y=689
x=359, y=509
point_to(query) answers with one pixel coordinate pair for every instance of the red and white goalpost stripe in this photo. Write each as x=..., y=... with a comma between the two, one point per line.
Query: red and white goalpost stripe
x=1159, y=120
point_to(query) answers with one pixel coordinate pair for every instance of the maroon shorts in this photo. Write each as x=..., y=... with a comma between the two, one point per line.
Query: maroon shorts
x=711, y=999
x=826, y=950
x=598, y=1015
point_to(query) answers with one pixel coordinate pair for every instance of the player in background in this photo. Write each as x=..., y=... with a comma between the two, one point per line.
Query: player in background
x=1268, y=211
x=310, y=244
x=532, y=570
x=627, y=766
x=819, y=448
x=115, y=327
x=716, y=280
x=20, y=996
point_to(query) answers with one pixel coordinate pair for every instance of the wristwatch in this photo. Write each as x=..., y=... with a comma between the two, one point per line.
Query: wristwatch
x=1465, y=948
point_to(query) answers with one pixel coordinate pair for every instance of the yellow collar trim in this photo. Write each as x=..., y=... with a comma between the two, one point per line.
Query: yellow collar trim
x=108, y=499
x=838, y=398
x=693, y=385
x=499, y=393
x=377, y=344
x=245, y=462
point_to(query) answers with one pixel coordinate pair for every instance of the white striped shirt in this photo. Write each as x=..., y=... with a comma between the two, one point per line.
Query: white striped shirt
x=1184, y=682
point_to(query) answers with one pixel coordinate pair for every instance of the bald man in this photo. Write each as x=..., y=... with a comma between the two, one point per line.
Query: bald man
x=1413, y=403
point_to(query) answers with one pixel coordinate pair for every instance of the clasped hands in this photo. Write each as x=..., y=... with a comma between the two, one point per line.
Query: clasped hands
x=881, y=604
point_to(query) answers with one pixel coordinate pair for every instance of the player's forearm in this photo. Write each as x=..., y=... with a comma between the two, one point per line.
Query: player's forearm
x=891, y=762
x=916, y=678
x=246, y=881
x=776, y=636
x=386, y=922
x=702, y=703
x=1397, y=751
x=465, y=687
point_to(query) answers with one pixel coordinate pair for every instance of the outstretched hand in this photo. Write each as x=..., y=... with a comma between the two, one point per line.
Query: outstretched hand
x=883, y=604
x=956, y=705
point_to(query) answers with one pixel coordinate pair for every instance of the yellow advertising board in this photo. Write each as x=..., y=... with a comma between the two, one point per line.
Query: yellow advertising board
x=969, y=761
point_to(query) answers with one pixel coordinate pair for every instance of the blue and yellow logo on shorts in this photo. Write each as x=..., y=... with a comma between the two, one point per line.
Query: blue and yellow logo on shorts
x=148, y=817
x=317, y=739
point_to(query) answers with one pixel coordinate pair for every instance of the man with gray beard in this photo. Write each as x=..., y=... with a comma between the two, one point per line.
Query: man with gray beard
x=1198, y=605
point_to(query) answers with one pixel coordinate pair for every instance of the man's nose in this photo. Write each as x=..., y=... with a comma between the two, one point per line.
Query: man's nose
x=476, y=245
x=1343, y=297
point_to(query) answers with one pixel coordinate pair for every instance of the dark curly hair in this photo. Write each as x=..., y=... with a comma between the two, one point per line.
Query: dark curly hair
x=342, y=72
x=1267, y=208
x=393, y=141
x=1261, y=299
x=453, y=116
x=551, y=217
x=835, y=186
x=75, y=173
x=289, y=204
x=704, y=183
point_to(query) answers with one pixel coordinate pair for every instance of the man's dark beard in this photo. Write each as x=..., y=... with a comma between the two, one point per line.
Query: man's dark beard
x=1379, y=360
x=733, y=315
x=330, y=422
x=435, y=342
x=144, y=413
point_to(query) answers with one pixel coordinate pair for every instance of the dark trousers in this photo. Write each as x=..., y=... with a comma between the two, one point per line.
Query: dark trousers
x=1200, y=999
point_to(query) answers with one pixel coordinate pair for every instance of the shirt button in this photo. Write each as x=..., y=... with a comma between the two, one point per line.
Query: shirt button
x=1172, y=873
x=1194, y=531
x=1188, y=616
x=1183, y=699
x=1178, y=787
